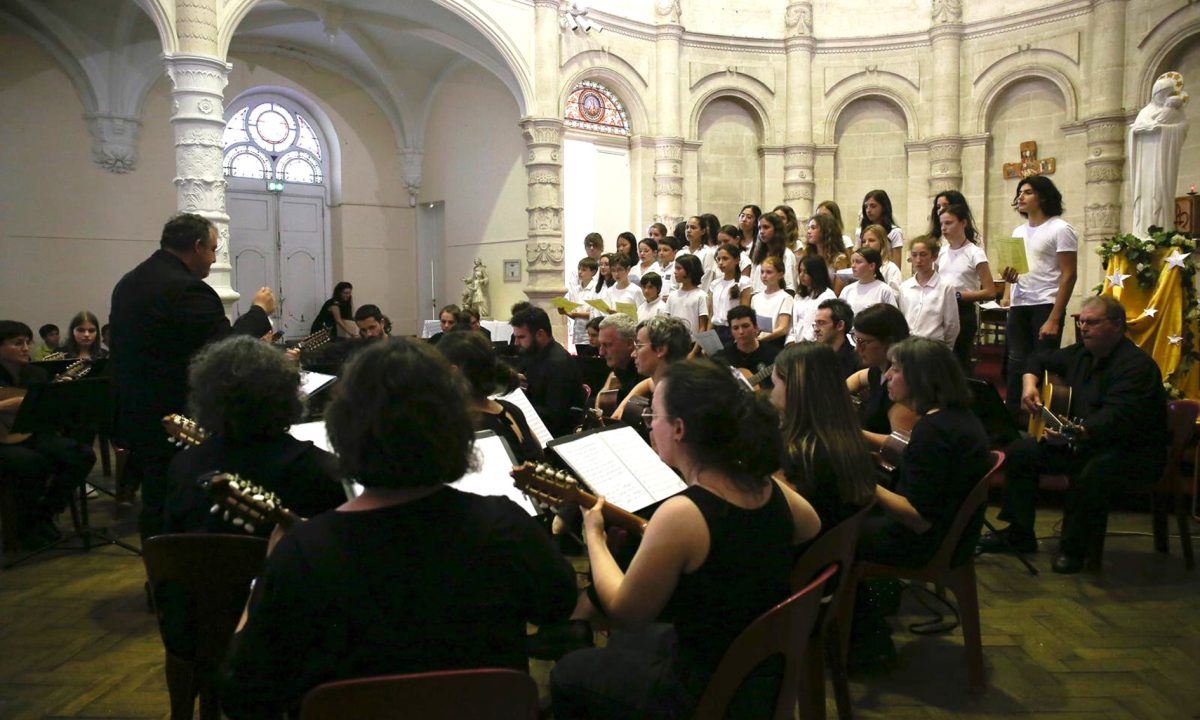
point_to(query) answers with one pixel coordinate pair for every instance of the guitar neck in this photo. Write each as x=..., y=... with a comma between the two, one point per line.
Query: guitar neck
x=614, y=515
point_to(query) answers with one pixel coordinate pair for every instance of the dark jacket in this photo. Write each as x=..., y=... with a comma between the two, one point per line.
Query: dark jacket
x=161, y=315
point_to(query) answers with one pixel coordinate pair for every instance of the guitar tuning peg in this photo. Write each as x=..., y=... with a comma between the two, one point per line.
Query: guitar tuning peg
x=214, y=510
x=226, y=516
x=238, y=521
x=248, y=528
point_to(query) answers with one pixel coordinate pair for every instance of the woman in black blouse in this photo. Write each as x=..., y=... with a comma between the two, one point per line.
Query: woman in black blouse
x=825, y=456
x=337, y=313
x=876, y=330
x=487, y=375
x=83, y=338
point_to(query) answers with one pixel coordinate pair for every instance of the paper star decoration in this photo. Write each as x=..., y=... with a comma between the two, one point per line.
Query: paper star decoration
x=1150, y=311
x=1176, y=259
x=1175, y=339
x=1117, y=279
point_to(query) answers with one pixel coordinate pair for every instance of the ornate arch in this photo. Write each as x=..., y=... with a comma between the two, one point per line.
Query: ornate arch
x=1005, y=73
x=1161, y=42
x=162, y=14
x=741, y=91
x=896, y=97
x=616, y=77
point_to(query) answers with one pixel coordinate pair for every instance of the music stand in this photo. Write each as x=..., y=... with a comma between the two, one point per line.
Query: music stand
x=54, y=407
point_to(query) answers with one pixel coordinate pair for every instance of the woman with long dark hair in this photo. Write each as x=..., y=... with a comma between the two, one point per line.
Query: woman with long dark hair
x=877, y=210
x=771, y=236
x=337, y=313
x=964, y=264
x=83, y=338
x=812, y=289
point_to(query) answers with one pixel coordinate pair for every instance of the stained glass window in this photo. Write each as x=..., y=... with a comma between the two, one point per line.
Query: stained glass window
x=268, y=141
x=591, y=106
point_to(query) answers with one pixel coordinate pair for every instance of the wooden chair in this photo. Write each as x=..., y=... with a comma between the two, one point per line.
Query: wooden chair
x=835, y=547
x=489, y=694
x=783, y=630
x=1172, y=488
x=942, y=571
x=9, y=542
x=213, y=573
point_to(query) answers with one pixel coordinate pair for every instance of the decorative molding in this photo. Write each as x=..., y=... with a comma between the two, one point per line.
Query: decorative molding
x=668, y=185
x=1102, y=217
x=798, y=20
x=668, y=11
x=946, y=12
x=543, y=253
x=410, y=172
x=698, y=72
x=1065, y=45
x=875, y=73
x=545, y=218
x=114, y=141
x=1106, y=171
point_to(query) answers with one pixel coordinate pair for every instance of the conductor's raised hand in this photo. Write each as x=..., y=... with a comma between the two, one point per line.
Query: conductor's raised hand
x=265, y=299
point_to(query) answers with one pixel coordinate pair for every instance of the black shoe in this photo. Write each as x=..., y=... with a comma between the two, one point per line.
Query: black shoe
x=1008, y=540
x=551, y=642
x=1065, y=564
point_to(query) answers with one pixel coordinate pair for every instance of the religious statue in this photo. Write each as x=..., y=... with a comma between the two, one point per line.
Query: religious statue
x=475, y=293
x=1155, y=145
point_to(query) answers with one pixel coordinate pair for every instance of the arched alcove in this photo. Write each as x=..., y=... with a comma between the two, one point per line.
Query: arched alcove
x=870, y=133
x=730, y=167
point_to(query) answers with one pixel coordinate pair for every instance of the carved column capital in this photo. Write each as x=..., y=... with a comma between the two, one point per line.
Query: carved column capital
x=410, y=172
x=945, y=12
x=798, y=177
x=114, y=141
x=668, y=12
x=798, y=20
x=945, y=164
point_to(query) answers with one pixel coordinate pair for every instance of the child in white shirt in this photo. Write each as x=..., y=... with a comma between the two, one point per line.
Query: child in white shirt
x=654, y=305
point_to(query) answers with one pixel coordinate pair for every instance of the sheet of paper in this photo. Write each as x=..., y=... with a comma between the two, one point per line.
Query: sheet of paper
x=1009, y=252
x=313, y=432
x=627, y=309
x=310, y=382
x=493, y=478
x=710, y=342
x=766, y=324
x=991, y=305
x=619, y=465
x=565, y=304
x=517, y=397
x=600, y=305
x=846, y=274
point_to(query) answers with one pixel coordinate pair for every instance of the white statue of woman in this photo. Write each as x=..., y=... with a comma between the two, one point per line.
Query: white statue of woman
x=475, y=294
x=1155, y=145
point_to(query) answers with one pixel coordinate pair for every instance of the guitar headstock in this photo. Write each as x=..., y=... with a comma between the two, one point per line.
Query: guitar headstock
x=183, y=431
x=60, y=355
x=243, y=503
x=314, y=341
x=546, y=483
x=74, y=371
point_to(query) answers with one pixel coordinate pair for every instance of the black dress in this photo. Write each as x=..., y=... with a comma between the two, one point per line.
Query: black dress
x=874, y=410
x=506, y=424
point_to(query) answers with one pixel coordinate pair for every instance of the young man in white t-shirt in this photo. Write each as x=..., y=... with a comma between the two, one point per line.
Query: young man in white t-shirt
x=1039, y=297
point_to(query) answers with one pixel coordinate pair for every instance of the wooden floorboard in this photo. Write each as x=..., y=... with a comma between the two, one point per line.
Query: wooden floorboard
x=76, y=640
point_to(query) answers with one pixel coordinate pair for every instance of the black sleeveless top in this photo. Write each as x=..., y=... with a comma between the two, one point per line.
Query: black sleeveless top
x=874, y=412
x=747, y=572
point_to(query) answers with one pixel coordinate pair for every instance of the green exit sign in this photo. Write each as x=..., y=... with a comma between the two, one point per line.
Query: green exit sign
x=275, y=186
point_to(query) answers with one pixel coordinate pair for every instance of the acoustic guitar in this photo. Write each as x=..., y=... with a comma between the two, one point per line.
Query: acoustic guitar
x=183, y=432
x=892, y=452
x=314, y=341
x=1055, y=411
x=755, y=379
x=244, y=504
x=558, y=487
x=74, y=371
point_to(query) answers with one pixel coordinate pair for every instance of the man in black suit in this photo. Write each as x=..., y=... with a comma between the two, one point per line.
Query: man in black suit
x=162, y=313
x=551, y=377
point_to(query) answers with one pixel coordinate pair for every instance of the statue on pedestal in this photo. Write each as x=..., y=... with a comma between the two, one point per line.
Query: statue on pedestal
x=475, y=293
x=1155, y=146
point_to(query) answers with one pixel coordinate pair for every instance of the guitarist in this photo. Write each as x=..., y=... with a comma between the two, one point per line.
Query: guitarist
x=1118, y=396
x=46, y=467
x=746, y=352
x=618, y=332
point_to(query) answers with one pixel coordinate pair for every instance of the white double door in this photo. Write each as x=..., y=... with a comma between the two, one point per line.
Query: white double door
x=278, y=241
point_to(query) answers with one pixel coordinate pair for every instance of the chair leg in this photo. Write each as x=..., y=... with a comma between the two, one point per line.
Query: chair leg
x=9, y=541
x=1158, y=514
x=1185, y=535
x=812, y=680
x=835, y=660
x=962, y=582
x=105, y=458
x=181, y=687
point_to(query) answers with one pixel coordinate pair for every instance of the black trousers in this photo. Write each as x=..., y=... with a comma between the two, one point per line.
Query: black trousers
x=47, y=468
x=1021, y=337
x=968, y=325
x=1097, y=476
x=148, y=468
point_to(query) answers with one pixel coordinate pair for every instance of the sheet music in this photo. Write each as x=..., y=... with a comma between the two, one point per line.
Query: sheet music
x=310, y=382
x=619, y=465
x=313, y=432
x=517, y=397
x=766, y=323
x=710, y=342
x=493, y=477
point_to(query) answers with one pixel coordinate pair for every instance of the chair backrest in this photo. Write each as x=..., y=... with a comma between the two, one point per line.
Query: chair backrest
x=489, y=694
x=215, y=573
x=783, y=630
x=944, y=558
x=1181, y=424
x=835, y=547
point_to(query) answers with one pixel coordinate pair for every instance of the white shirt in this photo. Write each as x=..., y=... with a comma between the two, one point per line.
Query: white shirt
x=771, y=304
x=804, y=311
x=708, y=256
x=895, y=237
x=651, y=308
x=789, y=273
x=631, y=294
x=579, y=325
x=1042, y=245
x=863, y=295
x=667, y=272
x=721, y=302
x=636, y=272
x=891, y=276
x=960, y=268
x=931, y=309
x=689, y=306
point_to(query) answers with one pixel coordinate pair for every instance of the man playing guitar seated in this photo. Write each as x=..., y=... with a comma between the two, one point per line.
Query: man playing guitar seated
x=746, y=352
x=661, y=340
x=618, y=333
x=1119, y=440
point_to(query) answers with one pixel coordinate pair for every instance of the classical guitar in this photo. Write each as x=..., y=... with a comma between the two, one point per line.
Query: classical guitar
x=314, y=341
x=74, y=371
x=183, y=431
x=755, y=379
x=1055, y=411
x=892, y=452
x=557, y=487
x=245, y=504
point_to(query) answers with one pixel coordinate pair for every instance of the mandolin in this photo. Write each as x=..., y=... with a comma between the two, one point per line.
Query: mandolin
x=50, y=357
x=1055, y=411
x=245, y=504
x=558, y=487
x=74, y=371
x=314, y=341
x=184, y=432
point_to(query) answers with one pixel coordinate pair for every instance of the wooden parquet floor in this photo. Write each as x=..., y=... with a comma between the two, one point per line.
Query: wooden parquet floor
x=76, y=640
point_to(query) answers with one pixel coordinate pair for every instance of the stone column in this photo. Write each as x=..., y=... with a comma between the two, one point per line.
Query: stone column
x=198, y=119
x=1105, y=123
x=668, y=146
x=798, y=151
x=945, y=145
x=544, y=246
x=198, y=76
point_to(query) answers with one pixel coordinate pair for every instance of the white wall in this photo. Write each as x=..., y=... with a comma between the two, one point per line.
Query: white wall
x=871, y=156
x=730, y=168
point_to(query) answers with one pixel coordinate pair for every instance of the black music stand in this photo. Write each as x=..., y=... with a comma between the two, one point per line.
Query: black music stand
x=56, y=407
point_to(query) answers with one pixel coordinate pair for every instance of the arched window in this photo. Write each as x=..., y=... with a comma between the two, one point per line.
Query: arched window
x=591, y=106
x=269, y=141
